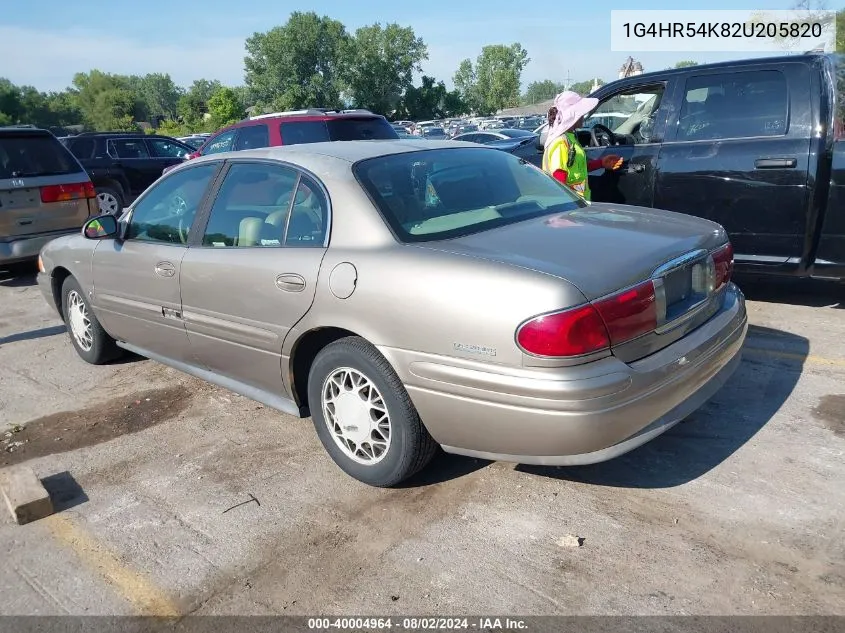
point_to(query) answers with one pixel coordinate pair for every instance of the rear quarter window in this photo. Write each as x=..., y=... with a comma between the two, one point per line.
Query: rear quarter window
x=364, y=129
x=34, y=155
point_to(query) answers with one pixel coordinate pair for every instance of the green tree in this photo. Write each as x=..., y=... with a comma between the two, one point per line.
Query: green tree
x=685, y=63
x=583, y=88
x=430, y=100
x=493, y=83
x=298, y=64
x=106, y=101
x=539, y=91
x=11, y=109
x=193, y=103
x=840, y=31
x=225, y=108
x=159, y=95
x=381, y=65
x=466, y=84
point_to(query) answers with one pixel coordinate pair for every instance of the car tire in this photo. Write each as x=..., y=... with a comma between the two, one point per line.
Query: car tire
x=89, y=339
x=347, y=378
x=109, y=200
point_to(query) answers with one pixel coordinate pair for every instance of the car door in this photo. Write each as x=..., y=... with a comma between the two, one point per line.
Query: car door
x=251, y=272
x=167, y=152
x=738, y=154
x=645, y=107
x=133, y=157
x=136, y=278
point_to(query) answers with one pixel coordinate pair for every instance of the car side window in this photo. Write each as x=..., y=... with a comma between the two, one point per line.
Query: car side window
x=220, y=143
x=251, y=207
x=82, y=148
x=128, y=148
x=167, y=210
x=631, y=113
x=735, y=105
x=304, y=132
x=309, y=216
x=253, y=136
x=161, y=148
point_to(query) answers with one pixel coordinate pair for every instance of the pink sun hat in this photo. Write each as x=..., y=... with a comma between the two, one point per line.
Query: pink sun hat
x=570, y=107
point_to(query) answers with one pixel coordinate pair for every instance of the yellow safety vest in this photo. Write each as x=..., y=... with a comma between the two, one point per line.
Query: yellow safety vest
x=567, y=154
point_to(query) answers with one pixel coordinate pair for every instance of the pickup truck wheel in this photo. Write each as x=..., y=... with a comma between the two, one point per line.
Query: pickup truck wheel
x=110, y=200
x=88, y=337
x=363, y=415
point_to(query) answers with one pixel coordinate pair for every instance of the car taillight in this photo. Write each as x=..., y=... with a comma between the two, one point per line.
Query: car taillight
x=723, y=258
x=630, y=313
x=75, y=191
x=193, y=155
x=593, y=327
x=573, y=332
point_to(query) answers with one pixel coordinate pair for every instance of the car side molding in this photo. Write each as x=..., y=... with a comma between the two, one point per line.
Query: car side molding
x=272, y=400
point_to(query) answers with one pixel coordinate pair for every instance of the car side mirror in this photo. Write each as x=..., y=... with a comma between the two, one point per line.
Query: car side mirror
x=101, y=227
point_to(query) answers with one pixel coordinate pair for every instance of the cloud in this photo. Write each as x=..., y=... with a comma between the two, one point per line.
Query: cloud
x=48, y=59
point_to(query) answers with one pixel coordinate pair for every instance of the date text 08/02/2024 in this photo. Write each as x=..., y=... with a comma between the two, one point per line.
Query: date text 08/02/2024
x=417, y=624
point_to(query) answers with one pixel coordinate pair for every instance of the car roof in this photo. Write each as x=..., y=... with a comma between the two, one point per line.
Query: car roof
x=346, y=151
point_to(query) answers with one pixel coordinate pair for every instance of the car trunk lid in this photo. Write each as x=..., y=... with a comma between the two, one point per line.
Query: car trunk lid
x=604, y=250
x=600, y=249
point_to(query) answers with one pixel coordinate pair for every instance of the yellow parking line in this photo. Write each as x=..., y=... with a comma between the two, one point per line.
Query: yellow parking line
x=816, y=360
x=145, y=597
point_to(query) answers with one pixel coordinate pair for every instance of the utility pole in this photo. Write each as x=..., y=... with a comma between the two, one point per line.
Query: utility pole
x=568, y=81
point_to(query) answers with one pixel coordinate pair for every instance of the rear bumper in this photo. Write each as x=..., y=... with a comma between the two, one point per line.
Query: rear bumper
x=573, y=415
x=27, y=248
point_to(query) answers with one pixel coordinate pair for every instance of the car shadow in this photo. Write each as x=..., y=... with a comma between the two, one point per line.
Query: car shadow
x=444, y=467
x=750, y=398
x=64, y=491
x=44, y=332
x=814, y=293
x=12, y=279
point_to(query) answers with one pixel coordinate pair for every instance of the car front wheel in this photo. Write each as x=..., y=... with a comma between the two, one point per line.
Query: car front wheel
x=88, y=337
x=364, y=416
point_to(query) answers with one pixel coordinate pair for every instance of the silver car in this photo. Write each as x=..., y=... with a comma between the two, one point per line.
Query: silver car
x=409, y=296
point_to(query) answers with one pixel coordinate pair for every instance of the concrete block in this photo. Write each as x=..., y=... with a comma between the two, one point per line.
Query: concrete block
x=25, y=495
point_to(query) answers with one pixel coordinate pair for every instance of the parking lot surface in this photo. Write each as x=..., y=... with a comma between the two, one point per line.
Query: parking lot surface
x=177, y=497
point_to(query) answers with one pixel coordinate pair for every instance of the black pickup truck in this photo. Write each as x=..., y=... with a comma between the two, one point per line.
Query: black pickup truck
x=123, y=164
x=756, y=145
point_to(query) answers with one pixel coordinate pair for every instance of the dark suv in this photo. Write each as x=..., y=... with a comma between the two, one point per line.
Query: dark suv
x=123, y=164
x=314, y=125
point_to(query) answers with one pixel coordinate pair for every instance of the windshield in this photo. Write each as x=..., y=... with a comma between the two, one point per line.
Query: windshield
x=31, y=155
x=515, y=133
x=444, y=193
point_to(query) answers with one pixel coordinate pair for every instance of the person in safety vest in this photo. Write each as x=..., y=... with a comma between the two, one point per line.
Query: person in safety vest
x=563, y=157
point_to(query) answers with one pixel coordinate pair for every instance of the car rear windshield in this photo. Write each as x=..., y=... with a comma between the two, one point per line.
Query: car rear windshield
x=340, y=129
x=443, y=193
x=31, y=155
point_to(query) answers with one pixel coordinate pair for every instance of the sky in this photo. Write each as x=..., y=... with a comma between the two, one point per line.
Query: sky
x=44, y=42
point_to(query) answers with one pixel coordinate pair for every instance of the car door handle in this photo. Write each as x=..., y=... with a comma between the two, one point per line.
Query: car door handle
x=775, y=163
x=635, y=168
x=290, y=282
x=165, y=269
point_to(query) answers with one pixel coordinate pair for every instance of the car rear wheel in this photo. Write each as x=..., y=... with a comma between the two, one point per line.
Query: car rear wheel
x=364, y=416
x=110, y=200
x=88, y=337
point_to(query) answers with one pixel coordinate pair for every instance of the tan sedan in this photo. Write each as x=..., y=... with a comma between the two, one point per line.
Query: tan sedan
x=410, y=296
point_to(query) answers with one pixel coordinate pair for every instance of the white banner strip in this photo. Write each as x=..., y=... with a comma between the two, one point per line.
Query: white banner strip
x=759, y=31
